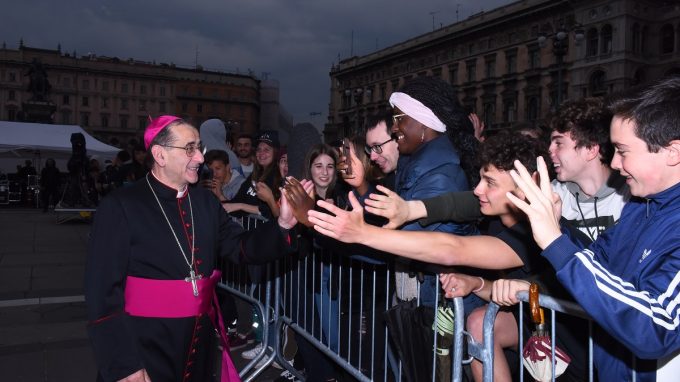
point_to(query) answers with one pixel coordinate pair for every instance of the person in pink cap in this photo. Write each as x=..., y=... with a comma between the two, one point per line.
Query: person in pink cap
x=151, y=268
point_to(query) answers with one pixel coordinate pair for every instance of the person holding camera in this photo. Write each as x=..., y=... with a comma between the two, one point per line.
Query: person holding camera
x=219, y=177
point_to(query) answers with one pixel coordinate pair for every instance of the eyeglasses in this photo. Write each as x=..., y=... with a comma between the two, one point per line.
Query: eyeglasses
x=397, y=118
x=189, y=148
x=378, y=148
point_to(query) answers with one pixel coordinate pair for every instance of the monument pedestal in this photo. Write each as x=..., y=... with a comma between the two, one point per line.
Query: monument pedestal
x=38, y=111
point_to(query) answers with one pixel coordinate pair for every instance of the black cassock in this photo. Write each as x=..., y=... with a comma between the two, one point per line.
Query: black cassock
x=130, y=237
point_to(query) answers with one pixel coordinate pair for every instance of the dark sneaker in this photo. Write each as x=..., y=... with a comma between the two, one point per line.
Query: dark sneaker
x=237, y=340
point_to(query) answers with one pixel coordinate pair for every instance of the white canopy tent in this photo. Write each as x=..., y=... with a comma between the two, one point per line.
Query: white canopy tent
x=36, y=141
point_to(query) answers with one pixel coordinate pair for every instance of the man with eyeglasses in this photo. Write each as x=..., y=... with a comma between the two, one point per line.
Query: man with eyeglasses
x=151, y=270
x=381, y=145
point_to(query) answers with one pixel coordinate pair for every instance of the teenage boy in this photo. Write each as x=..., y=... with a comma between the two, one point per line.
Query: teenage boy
x=628, y=279
x=509, y=250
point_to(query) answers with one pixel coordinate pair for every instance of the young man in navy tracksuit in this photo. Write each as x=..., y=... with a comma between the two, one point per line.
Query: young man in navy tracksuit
x=628, y=280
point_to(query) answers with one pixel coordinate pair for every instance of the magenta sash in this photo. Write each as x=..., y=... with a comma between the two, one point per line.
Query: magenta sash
x=175, y=299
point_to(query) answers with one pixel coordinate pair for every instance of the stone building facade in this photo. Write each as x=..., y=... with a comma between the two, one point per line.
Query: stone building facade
x=112, y=99
x=517, y=62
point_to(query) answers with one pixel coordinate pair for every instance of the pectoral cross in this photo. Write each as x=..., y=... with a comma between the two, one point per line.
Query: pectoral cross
x=192, y=278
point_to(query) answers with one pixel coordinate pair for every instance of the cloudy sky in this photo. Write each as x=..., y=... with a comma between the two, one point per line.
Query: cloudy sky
x=294, y=41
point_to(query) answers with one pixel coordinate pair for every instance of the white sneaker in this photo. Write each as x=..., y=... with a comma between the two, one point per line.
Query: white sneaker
x=252, y=353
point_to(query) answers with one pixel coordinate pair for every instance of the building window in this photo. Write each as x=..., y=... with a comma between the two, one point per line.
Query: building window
x=644, y=38
x=592, y=42
x=105, y=103
x=185, y=107
x=105, y=120
x=12, y=77
x=199, y=108
x=161, y=107
x=86, y=84
x=533, y=109
x=66, y=82
x=606, y=39
x=453, y=73
x=123, y=121
x=161, y=90
x=86, y=101
x=11, y=115
x=123, y=104
x=142, y=105
x=597, y=83
x=511, y=61
x=142, y=89
x=471, y=70
x=437, y=72
x=85, y=119
x=124, y=87
x=489, y=113
x=510, y=111
x=636, y=38
x=105, y=86
x=66, y=100
x=66, y=117
x=490, y=66
x=383, y=91
x=667, y=39
x=141, y=122
x=11, y=96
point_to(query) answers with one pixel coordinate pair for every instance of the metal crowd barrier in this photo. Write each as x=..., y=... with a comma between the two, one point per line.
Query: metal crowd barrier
x=336, y=303
x=347, y=326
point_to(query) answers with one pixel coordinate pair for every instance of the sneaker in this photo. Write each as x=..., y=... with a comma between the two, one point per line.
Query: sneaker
x=287, y=376
x=252, y=353
x=237, y=340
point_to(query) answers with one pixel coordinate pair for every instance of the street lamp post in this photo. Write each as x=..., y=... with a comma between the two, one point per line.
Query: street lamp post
x=560, y=43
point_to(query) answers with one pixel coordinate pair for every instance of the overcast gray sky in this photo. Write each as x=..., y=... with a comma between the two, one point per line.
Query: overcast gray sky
x=296, y=41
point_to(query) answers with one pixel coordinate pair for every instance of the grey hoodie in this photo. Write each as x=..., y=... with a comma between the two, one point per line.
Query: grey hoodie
x=214, y=137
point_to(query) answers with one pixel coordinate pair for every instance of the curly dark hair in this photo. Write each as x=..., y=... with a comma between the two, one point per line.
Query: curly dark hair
x=654, y=111
x=587, y=121
x=503, y=148
x=442, y=99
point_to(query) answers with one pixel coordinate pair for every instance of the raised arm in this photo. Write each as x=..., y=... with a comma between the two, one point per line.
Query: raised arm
x=433, y=247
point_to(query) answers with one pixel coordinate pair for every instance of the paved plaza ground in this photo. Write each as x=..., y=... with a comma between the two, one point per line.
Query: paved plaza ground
x=42, y=313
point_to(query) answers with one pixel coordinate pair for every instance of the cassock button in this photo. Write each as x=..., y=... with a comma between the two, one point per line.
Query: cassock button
x=187, y=225
x=193, y=351
x=187, y=375
x=198, y=261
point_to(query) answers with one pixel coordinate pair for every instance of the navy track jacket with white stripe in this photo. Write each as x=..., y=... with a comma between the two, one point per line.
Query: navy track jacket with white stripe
x=628, y=281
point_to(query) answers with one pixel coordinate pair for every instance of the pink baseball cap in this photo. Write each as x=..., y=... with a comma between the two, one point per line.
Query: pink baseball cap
x=155, y=127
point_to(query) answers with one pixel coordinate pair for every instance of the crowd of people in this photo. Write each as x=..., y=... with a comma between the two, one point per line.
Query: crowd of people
x=583, y=206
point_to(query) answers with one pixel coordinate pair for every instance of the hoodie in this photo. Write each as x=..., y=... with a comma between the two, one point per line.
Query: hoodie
x=593, y=214
x=214, y=137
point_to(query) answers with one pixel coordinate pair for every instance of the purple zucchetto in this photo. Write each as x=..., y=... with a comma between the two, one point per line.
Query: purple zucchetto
x=155, y=127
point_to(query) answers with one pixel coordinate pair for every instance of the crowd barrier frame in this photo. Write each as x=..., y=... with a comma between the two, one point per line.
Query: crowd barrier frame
x=274, y=303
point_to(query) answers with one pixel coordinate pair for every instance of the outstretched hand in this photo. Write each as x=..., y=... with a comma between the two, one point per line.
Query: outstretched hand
x=345, y=226
x=300, y=197
x=388, y=205
x=540, y=206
